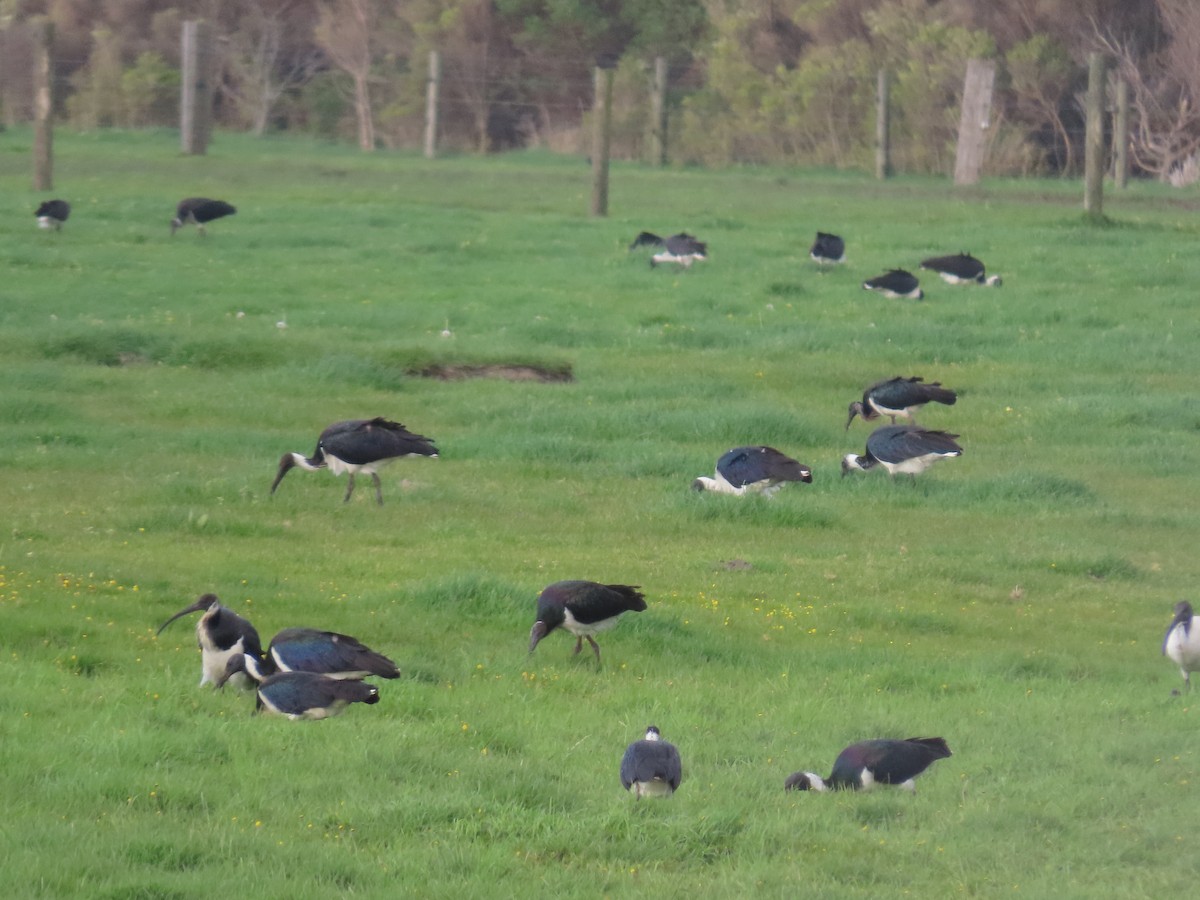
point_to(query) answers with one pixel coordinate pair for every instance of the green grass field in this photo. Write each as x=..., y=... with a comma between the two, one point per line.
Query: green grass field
x=1012, y=601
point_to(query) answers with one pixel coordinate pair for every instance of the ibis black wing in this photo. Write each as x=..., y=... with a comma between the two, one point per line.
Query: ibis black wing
x=749, y=465
x=646, y=239
x=651, y=761
x=897, y=443
x=327, y=652
x=591, y=602
x=370, y=440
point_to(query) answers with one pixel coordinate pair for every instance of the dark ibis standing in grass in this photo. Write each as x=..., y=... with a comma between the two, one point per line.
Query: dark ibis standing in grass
x=896, y=283
x=828, y=249
x=583, y=608
x=304, y=695
x=1182, y=642
x=899, y=397
x=960, y=268
x=903, y=449
x=358, y=445
x=320, y=653
x=222, y=635
x=682, y=249
x=651, y=767
x=744, y=470
x=52, y=213
x=863, y=765
x=199, y=211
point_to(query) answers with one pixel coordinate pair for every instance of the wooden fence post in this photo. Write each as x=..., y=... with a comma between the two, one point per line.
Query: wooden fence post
x=1121, y=136
x=433, y=89
x=883, y=157
x=601, y=124
x=1093, y=164
x=975, y=120
x=196, y=96
x=658, y=113
x=41, y=33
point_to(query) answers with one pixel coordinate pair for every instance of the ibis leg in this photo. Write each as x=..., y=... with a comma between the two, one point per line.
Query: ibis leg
x=595, y=646
x=349, y=489
x=378, y=487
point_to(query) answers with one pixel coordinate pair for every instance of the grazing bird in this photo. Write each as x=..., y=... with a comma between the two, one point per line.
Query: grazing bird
x=863, y=765
x=896, y=283
x=198, y=211
x=583, y=608
x=319, y=653
x=961, y=268
x=1182, y=642
x=52, y=213
x=358, y=445
x=223, y=635
x=903, y=449
x=651, y=766
x=899, y=397
x=744, y=470
x=682, y=248
x=305, y=695
x=828, y=249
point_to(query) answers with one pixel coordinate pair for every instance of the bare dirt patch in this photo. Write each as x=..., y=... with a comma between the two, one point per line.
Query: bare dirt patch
x=497, y=370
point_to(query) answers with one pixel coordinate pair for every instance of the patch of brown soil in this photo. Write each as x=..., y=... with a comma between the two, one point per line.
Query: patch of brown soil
x=496, y=370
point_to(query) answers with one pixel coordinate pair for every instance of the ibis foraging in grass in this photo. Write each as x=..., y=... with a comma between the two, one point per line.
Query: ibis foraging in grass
x=1182, y=642
x=903, y=449
x=863, y=765
x=222, y=635
x=651, y=767
x=583, y=608
x=319, y=653
x=199, y=211
x=899, y=397
x=960, y=268
x=305, y=695
x=828, y=249
x=52, y=213
x=682, y=249
x=358, y=445
x=744, y=470
x=896, y=283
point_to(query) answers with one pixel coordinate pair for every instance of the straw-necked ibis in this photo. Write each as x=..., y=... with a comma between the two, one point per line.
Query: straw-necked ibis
x=899, y=397
x=305, y=695
x=896, y=283
x=583, y=608
x=903, y=449
x=199, y=211
x=651, y=767
x=52, y=213
x=863, y=765
x=222, y=635
x=961, y=268
x=682, y=249
x=828, y=249
x=358, y=445
x=1182, y=642
x=319, y=653
x=744, y=470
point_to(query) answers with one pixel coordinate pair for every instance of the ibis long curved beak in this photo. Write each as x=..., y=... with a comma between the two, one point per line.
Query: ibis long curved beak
x=237, y=663
x=203, y=602
x=855, y=408
x=536, y=634
x=286, y=464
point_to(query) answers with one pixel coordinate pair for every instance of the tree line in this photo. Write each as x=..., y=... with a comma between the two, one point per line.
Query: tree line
x=750, y=81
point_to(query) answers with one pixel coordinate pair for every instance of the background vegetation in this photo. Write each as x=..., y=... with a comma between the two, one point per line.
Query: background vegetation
x=1012, y=600
x=753, y=81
